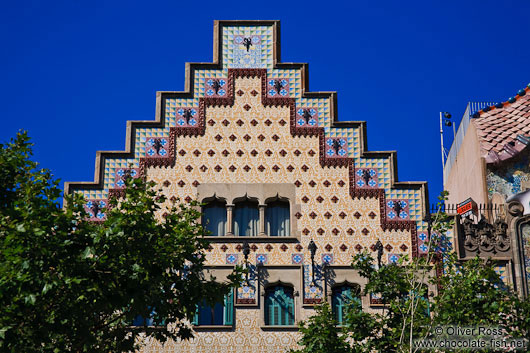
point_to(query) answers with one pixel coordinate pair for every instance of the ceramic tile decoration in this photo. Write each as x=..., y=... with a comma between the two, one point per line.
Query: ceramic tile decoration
x=122, y=174
x=297, y=258
x=96, y=209
x=278, y=87
x=248, y=120
x=313, y=291
x=215, y=87
x=336, y=147
x=397, y=209
x=187, y=116
x=261, y=259
x=156, y=147
x=307, y=117
x=507, y=181
x=393, y=258
x=327, y=259
x=423, y=238
x=366, y=178
x=503, y=273
x=231, y=258
x=246, y=293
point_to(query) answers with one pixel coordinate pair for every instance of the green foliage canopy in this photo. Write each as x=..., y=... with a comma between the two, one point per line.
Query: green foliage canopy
x=70, y=285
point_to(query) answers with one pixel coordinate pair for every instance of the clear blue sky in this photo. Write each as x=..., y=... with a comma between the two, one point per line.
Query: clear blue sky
x=73, y=72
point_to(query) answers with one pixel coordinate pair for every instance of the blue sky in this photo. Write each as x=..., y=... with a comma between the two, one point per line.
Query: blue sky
x=73, y=72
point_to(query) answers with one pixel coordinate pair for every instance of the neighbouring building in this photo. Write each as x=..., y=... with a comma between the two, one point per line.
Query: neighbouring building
x=277, y=169
x=489, y=162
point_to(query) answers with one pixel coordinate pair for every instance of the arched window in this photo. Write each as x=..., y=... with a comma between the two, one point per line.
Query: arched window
x=246, y=218
x=277, y=221
x=279, y=306
x=218, y=314
x=214, y=217
x=342, y=297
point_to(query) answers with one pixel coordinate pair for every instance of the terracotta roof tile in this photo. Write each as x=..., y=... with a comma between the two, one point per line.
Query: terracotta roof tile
x=497, y=127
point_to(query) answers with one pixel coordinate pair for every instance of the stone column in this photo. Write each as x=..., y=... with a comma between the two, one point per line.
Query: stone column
x=262, y=220
x=229, y=220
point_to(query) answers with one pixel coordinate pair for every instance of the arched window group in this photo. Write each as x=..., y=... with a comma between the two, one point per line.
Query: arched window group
x=247, y=218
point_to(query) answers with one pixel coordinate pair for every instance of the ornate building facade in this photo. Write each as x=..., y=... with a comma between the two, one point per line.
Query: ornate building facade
x=289, y=190
x=490, y=163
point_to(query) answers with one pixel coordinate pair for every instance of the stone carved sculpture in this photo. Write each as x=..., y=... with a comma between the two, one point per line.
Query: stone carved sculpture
x=502, y=240
x=484, y=236
x=470, y=241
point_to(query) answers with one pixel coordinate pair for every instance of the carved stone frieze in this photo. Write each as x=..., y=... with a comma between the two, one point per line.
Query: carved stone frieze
x=484, y=237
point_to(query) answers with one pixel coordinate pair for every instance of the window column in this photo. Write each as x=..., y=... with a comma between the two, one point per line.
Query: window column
x=229, y=220
x=262, y=220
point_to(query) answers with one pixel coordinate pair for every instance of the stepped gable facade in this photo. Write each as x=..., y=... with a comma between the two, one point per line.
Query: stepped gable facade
x=277, y=170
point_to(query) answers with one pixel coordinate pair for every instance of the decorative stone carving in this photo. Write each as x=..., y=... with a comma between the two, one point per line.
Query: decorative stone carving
x=515, y=208
x=485, y=237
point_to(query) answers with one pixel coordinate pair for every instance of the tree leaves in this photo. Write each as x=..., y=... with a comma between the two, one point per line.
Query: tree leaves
x=69, y=285
x=320, y=334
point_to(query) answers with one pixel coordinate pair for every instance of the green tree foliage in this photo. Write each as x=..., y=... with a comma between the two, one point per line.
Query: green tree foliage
x=70, y=285
x=473, y=294
x=469, y=294
x=320, y=334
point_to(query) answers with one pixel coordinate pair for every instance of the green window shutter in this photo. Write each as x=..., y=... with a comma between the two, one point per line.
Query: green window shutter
x=290, y=311
x=195, y=320
x=347, y=293
x=279, y=297
x=279, y=307
x=272, y=309
x=275, y=315
x=347, y=297
x=268, y=309
x=229, y=308
x=341, y=298
x=338, y=305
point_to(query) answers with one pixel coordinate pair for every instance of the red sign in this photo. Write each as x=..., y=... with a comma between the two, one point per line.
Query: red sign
x=467, y=208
